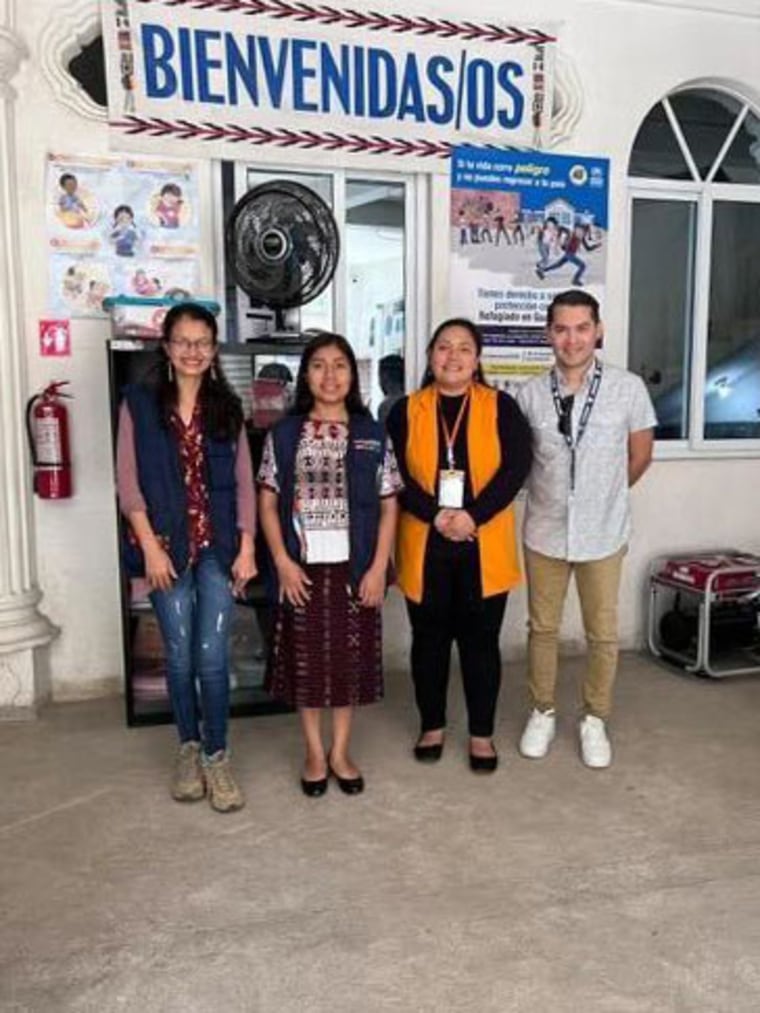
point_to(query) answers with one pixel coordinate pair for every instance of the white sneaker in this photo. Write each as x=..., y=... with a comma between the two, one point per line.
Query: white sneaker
x=595, y=746
x=539, y=734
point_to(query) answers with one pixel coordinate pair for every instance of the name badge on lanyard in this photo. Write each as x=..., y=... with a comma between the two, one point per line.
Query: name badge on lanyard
x=451, y=479
x=451, y=489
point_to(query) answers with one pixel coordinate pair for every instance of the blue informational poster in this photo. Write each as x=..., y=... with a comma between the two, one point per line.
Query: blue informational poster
x=524, y=226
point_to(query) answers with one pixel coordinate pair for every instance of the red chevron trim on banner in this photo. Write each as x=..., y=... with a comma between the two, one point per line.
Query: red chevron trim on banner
x=373, y=21
x=184, y=130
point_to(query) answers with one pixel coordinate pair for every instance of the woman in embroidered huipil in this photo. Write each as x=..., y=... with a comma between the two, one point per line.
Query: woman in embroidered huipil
x=185, y=486
x=327, y=504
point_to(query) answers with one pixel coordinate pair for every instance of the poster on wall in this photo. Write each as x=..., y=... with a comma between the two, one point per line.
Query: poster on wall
x=265, y=79
x=523, y=226
x=119, y=226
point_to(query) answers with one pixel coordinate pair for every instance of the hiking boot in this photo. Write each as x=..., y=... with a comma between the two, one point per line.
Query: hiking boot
x=223, y=793
x=187, y=783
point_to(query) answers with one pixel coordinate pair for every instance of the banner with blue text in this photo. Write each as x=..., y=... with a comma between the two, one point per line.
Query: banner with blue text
x=273, y=80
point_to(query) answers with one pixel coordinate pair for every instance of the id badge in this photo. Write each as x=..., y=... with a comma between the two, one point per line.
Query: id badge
x=451, y=489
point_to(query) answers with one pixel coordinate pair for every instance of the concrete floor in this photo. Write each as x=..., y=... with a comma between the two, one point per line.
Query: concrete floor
x=546, y=887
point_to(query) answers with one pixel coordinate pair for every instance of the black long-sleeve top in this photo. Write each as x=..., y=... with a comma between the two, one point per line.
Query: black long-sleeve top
x=514, y=440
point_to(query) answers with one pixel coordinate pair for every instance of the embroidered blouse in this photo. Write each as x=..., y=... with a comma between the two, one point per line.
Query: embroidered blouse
x=321, y=497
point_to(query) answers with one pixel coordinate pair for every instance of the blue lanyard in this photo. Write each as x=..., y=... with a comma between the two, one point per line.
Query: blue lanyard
x=593, y=390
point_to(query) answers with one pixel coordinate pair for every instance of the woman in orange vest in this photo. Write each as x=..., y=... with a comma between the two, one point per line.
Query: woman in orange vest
x=463, y=449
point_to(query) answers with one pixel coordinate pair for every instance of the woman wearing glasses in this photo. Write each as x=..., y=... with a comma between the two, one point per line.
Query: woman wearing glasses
x=185, y=486
x=463, y=449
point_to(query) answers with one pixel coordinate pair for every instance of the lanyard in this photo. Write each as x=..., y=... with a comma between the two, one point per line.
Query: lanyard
x=571, y=442
x=450, y=437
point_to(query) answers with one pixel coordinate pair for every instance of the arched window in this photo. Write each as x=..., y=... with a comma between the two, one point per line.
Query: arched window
x=694, y=307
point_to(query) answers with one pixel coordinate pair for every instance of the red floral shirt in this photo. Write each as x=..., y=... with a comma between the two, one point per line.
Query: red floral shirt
x=190, y=443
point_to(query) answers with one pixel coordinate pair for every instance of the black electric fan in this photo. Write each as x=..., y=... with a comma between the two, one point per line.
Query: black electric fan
x=282, y=245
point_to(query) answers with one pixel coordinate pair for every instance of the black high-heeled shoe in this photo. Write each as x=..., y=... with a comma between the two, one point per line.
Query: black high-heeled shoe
x=428, y=753
x=484, y=764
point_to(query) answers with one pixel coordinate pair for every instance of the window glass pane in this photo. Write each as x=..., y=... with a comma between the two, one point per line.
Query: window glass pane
x=732, y=386
x=662, y=277
x=321, y=185
x=742, y=162
x=655, y=151
x=374, y=264
x=705, y=117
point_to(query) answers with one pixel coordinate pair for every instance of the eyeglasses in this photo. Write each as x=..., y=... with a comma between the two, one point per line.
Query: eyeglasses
x=203, y=345
x=565, y=417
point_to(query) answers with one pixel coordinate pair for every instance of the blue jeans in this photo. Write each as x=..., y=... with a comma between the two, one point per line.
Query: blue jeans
x=194, y=616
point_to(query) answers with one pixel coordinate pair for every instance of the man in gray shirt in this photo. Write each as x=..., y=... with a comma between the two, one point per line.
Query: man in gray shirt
x=593, y=430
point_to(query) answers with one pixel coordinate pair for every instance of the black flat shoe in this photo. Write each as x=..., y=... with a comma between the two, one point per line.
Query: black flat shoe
x=428, y=754
x=349, y=785
x=314, y=788
x=484, y=764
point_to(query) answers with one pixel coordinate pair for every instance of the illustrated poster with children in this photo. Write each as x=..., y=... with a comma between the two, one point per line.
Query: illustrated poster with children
x=124, y=226
x=524, y=226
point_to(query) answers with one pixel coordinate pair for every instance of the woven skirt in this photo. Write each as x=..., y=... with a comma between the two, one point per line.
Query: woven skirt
x=328, y=653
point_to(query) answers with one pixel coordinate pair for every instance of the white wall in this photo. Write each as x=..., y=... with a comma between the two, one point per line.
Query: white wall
x=625, y=56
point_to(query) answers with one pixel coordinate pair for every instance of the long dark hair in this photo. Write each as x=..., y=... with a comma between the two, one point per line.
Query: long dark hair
x=475, y=333
x=304, y=399
x=221, y=410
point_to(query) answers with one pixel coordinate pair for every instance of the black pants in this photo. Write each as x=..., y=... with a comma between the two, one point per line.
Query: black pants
x=453, y=610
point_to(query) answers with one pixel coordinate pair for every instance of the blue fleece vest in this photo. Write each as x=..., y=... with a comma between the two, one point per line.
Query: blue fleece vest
x=161, y=480
x=363, y=468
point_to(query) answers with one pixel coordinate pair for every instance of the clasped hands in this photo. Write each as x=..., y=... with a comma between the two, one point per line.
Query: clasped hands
x=456, y=525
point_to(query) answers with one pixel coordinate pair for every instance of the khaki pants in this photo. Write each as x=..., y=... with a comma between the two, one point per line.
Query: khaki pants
x=598, y=582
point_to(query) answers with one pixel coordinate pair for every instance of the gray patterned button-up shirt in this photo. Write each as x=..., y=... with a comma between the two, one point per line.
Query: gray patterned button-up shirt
x=593, y=520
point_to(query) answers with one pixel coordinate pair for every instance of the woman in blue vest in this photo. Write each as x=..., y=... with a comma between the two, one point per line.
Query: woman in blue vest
x=327, y=504
x=186, y=488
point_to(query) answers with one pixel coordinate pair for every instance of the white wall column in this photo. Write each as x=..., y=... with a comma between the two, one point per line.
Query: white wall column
x=23, y=629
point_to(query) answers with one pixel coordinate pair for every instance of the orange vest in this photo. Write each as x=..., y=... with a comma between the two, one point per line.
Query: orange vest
x=497, y=545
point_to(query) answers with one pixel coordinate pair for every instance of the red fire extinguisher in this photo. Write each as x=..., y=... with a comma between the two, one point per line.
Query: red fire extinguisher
x=47, y=426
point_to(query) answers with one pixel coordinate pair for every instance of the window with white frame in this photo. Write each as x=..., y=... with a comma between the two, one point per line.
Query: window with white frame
x=372, y=297
x=694, y=303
